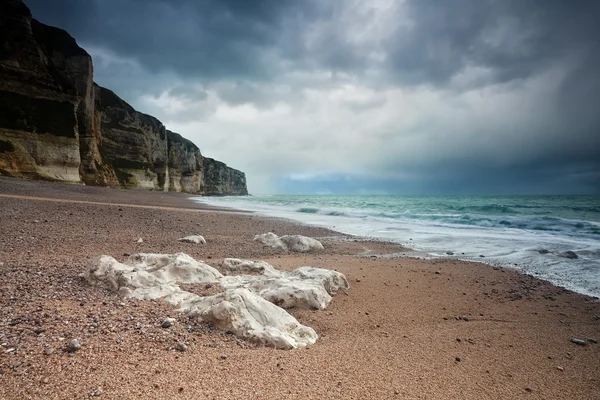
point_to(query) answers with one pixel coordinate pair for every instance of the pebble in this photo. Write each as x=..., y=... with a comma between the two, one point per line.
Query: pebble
x=579, y=342
x=74, y=346
x=180, y=346
x=38, y=330
x=457, y=359
x=140, y=240
x=223, y=356
x=97, y=393
x=48, y=351
x=560, y=368
x=167, y=322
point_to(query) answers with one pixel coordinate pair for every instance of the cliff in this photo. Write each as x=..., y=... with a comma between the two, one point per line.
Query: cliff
x=56, y=124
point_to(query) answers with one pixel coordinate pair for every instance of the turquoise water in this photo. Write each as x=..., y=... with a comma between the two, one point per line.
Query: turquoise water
x=506, y=230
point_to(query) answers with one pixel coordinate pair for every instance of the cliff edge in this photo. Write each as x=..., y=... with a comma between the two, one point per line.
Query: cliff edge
x=57, y=124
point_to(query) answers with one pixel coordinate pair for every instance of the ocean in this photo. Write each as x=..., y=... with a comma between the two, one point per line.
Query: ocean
x=527, y=233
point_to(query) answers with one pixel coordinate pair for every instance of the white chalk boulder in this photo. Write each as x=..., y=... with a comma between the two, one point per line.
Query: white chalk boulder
x=251, y=317
x=246, y=267
x=304, y=287
x=195, y=239
x=296, y=243
x=150, y=276
x=250, y=306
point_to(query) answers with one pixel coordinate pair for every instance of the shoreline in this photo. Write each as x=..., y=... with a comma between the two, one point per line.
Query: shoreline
x=527, y=260
x=408, y=328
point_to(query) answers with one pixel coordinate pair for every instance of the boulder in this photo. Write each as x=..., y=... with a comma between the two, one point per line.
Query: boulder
x=196, y=239
x=251, y=317
x=297, y=243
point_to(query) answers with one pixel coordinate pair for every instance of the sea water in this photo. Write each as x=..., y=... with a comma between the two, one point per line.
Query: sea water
x=527, y=233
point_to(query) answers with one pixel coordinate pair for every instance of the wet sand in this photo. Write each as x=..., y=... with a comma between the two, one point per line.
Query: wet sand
x=407, y=328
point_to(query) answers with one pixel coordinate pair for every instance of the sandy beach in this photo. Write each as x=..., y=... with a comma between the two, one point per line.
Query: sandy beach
x=406, y=329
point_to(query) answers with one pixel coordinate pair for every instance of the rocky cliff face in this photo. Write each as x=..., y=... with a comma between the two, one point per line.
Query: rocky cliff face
x=220, y=180
x=56, y=124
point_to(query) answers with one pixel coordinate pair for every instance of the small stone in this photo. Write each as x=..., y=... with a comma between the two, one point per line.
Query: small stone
x=482, y=256
x=560, y=368
x=48, y=351
x=357, y=280
x=579, y=342
x=449, y=253
x=45, y=380
x=167, y=323
x=74, y=346
x=97, y=393
x=457, y=359
x=37, y=330
x=528, y=389
x=437, y=273
x=180, y=346
x=140, y=240
x=223, y=356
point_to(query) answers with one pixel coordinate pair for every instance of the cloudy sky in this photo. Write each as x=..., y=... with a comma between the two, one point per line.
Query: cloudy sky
x=362, y=96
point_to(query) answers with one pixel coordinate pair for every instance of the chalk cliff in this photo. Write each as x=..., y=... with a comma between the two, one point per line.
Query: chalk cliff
x=57, y=124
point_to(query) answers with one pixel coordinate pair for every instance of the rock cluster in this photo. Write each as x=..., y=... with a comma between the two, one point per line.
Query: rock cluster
x=57, y=124
x=251, y=305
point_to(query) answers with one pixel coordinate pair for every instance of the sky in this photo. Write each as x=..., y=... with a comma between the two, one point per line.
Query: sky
x=362, y=96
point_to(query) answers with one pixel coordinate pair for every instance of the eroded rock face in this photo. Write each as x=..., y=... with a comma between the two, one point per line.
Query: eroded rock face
x=43, y=76
x=251, y=306
x=186, y=166
x=133, y=144
x=56, y=124
x=219, y=179
x=297, y=243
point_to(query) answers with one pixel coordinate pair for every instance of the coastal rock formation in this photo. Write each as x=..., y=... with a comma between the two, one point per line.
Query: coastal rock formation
x=297, y=243
x=57, y=124
x=251, y=306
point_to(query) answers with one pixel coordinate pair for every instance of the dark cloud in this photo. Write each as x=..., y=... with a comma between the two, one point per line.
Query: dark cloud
x=513, y=38
x=240, y=39
x=494, y=91
x=210, y=39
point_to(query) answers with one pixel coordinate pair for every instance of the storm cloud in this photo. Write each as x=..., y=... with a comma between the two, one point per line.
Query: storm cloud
x=386, y=96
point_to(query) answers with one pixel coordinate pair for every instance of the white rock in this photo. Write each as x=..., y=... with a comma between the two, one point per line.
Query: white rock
x=196, y=239
x=140, y=240
x=304, y=287
x=270, y=239
x=150, y=276
x=251, y=317
x=251, y=304
x=301, y=243
x=296, y=243
x=236, y=265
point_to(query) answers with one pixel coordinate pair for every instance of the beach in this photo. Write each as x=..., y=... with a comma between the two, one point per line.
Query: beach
x=407, y=328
